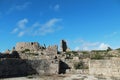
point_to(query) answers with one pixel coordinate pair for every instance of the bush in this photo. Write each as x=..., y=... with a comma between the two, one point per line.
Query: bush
x=75, y=53
x=97, y=56
x=26, y=50
x=80, y=65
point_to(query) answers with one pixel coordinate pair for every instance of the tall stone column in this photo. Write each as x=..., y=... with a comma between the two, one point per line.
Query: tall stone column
x=63, y=45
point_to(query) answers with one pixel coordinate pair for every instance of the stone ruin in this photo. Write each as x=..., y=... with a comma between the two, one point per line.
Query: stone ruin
x=22, y=60
x=40, y=59
x=32, y=46
x=63, y=46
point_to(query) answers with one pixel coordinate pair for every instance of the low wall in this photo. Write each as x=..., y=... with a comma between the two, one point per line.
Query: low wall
x=110, y=68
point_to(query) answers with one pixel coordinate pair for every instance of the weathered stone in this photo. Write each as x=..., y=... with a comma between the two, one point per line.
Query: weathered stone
x=44, y=66
x=52, y=51
x=106, y=68
x=7, y=51
x=32, y=46
x=14, y=54
x=14, y=68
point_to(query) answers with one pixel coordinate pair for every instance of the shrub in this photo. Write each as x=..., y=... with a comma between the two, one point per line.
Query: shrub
x=79, y=65
x=97, y=56
x=75, y=53
x=26, y=50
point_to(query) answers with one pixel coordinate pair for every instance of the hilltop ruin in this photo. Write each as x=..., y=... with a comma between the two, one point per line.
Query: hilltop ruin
x=28, y=58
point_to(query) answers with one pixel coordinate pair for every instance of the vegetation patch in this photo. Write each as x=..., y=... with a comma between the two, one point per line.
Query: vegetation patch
x=80, y=65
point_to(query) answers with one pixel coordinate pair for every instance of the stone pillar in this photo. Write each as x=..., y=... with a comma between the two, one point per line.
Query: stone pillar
x=63, y=46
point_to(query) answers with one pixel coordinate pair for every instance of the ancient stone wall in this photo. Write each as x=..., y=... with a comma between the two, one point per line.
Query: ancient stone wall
x=14, y=67
x=51, y=51
x=105, y=67
x=44, y=66
x=32, y=46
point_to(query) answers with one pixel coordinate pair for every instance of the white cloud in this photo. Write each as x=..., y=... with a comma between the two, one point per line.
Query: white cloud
x=85, y=45
x=48, y=27
x=55, y=7
x=15, y=30
x=90, y=43
x=18, y=7
x=52, y=22
x=21, y=24
x=21, y=34
x=37, y=29
x=86, y=48
x=103, y=46
x=77, y=48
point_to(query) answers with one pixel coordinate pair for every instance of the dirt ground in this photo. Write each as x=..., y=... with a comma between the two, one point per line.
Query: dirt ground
x=61, y=77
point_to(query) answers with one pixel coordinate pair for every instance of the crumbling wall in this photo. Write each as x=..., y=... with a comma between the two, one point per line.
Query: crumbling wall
x=51, y=51
x=14, y=67
x=44, y=66
x=105, y=67
x=32, y=46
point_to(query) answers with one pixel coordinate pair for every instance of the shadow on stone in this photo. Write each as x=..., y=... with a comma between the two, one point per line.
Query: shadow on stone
x=63, y=67
x=14, y=67
x=14, y=54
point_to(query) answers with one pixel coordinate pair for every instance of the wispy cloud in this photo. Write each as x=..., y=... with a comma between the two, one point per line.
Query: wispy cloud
x=49, y=27
x=15, y=30
x=103, y=46
x=18, y=7
x=85, y=45
x=55, y=7
x=113, y=34
x=21, y=24
x=20, y=34
x=36, y=29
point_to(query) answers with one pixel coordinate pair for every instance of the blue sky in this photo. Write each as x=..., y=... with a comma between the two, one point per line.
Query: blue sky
x=85, y=24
